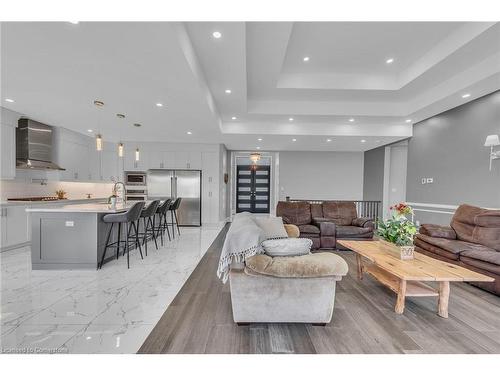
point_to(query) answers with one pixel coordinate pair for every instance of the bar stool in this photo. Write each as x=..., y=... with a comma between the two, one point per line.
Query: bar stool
x=129, y=218
x=161, y=211
x=147, y=215
x=173, y=214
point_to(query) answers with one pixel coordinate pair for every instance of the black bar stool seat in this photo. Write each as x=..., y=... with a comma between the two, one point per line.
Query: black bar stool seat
x=173, y=214
x=161, y=211
x=129, y=218
x=148, y=215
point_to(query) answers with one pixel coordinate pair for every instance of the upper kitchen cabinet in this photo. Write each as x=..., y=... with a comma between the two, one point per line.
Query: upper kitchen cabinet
x=74, y=158
x=109, y=165
x=187, y=160
x=130, y=162
x=8, y=159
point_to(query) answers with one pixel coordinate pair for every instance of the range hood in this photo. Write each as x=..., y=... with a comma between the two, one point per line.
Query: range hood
x=34, y=146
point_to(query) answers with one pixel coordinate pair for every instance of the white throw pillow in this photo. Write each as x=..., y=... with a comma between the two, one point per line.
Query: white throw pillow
x=287, y=247
x=272, y=226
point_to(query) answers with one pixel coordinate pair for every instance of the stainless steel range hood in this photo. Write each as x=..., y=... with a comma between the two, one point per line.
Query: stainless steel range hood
x=34, y=146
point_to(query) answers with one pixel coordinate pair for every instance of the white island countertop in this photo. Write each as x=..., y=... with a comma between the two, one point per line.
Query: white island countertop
x=96, y=208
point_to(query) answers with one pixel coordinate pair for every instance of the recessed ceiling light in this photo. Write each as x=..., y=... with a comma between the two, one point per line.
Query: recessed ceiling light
x=465, y=96
x=306, y=58
x=389, y=61
x=137, y=125
x=260, y=139
x=98, y=103
x=363, y=140
x=90, y=130
x=189, y=133
x=233, y=118
x=351, y=120
x=328, y=140
x=120, y=115
x=74, y=22
x=227, y=91
x=294, y=140
x=217, y=34
x=9, y=100
x=408, y=120
x=258, y=147
x=159, y=105
x=290, y=119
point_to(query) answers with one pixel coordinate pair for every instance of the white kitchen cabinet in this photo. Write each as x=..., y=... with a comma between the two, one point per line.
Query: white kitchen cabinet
x=8, y=159
x=15, y=225
x=74, y=158
x=109, y=166
x=187, y=160
x=210, y=187
x=94, y=161
x=155, y=160
x=130, y=164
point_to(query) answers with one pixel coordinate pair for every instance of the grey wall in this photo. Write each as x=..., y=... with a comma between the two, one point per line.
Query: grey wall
x=449, y=148
x=373, y=181
x=321, y=175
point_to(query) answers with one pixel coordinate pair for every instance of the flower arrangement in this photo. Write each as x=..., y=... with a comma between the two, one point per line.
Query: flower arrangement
x=398, y=229
x=61, y=194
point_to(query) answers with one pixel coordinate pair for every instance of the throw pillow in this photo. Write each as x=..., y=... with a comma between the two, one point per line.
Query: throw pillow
x=272, y=226
x=287, y=247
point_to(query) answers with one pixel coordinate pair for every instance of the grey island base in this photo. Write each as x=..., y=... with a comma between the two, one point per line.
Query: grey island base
x=73, y=236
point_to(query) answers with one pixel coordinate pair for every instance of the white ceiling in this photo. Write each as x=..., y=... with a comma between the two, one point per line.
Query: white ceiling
x=54, y=71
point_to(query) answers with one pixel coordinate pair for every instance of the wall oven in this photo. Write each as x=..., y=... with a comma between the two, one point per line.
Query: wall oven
x=135, y=193
x=135, y=178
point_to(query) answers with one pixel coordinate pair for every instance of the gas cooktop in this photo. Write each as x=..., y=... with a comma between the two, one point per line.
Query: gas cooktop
x=35, y=199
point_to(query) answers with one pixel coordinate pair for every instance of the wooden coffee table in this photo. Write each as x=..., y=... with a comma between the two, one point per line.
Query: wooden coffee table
x=407, y=277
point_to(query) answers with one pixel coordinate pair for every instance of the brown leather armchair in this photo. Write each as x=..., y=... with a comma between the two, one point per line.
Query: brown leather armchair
x=472, y=241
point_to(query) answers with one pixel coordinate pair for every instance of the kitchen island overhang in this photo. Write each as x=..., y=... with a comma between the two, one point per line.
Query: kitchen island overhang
x=72, y=236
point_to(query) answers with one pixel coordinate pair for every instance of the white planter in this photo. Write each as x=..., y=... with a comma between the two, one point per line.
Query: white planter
x=405, y=252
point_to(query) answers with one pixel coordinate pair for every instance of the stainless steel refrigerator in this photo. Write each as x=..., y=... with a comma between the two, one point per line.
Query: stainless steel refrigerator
x=166, y=183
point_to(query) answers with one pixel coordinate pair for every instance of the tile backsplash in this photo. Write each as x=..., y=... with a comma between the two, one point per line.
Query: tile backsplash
x=28, y=184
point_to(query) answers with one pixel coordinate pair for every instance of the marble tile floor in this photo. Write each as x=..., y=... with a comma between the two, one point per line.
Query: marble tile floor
x=87, y=311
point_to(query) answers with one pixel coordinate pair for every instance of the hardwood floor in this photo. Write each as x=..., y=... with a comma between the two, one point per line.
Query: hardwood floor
x=199, y=320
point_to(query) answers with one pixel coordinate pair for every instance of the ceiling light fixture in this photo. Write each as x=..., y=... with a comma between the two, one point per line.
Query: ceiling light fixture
x=74, y=22
x=254, y=157
x=408, y=120
x=90, y=130
x=9, y=100
x=351, y=120
x=328, y=140
x=465, y=96
x=98, y=142
x=233, y=118
x=363, y=141
x=227, y=91
x=258, y=147
x=137, y=125
x=389, y=61
x=294, y=140
x=120, y=150
x=120, y=115
x=306, y=59
x=290, y=119
x=260, y=139
x=159, y=105
x=98, y=103
x=189, y=133
x=217, y=34
x=137, y=154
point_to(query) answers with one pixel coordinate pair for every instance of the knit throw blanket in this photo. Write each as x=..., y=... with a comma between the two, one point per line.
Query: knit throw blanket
x=243, y=240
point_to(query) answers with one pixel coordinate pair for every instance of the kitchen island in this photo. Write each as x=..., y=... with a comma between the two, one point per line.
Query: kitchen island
x=72, y=236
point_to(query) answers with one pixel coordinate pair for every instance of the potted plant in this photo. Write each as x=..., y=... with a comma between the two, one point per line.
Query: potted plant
x=398, y=231
x=61, y=194
x=112, y=200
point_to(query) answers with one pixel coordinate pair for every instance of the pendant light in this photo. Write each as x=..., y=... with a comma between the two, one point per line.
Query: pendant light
x=98, y=142
x=137, y=154
x=120, y=150
x=255, y=157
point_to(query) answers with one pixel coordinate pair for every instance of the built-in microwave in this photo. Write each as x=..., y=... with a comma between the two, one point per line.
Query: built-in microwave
x=135, y=178
x=135, y=193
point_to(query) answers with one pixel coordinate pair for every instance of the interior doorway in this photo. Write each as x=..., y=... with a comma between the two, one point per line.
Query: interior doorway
x=253, y=188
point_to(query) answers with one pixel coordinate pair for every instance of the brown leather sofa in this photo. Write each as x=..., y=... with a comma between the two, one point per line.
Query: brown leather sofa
x=472, y=240
x=324, y=222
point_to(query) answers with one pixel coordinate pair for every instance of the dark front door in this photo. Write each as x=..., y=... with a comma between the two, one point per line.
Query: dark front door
x=253, y=187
